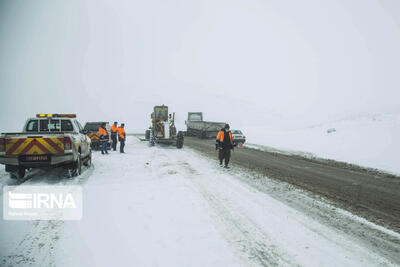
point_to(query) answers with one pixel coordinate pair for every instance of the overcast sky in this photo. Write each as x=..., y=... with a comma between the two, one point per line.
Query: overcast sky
x=278, y=63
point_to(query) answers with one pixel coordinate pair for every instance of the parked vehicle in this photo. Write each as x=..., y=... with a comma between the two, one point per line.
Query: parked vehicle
x=238, y=137
x=162, y=129
x=92, y=129
x=47, y=141
x=202, y=129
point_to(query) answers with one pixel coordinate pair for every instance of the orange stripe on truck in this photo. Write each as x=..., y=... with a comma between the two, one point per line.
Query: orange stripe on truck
x=34, y=146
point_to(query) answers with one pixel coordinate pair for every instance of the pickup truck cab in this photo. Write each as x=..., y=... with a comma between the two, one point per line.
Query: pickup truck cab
x=46, y=141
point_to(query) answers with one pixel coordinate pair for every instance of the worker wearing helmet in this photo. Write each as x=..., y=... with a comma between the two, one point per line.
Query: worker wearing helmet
x=121, y=137
x=103, y=138
x=114, y=133
x=224, y=144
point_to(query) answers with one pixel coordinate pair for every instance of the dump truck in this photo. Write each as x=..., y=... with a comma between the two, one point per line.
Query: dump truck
x=162, y=129
x=46, y=141
x=92, y=129
x=202, y=129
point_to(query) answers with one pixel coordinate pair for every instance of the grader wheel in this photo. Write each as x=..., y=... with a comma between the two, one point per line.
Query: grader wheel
x=179, y=140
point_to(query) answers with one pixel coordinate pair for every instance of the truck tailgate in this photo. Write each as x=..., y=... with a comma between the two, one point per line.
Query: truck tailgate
x=94, y=136
x=34, y=145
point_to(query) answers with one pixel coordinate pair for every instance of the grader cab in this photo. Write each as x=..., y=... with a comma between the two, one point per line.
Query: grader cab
x=162, y=129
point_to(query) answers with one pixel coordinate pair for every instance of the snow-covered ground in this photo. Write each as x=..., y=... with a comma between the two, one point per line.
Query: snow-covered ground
x=160, y=206
x=368, y=140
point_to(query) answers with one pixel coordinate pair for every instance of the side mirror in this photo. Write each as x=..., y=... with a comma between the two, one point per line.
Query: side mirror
x=84, y=131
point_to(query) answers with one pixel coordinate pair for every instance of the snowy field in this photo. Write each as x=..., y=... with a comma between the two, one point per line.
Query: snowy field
x=370, y=140
x=159, y=206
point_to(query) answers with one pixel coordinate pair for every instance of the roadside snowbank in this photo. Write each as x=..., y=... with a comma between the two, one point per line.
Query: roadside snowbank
x=371, y=141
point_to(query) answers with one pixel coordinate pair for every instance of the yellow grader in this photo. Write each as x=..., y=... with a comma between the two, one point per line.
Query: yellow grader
x=163, y=130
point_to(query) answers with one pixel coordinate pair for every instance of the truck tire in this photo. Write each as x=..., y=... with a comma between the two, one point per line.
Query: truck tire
x=152, y=139
x=19, y=174
x=179, y=140
x=77, y=167
x=88, y=161
x=147, y=135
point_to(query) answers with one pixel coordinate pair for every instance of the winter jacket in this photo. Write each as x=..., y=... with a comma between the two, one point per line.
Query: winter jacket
x=224, y=139
x=121, y=133
x=103, y=133
x=114, y=130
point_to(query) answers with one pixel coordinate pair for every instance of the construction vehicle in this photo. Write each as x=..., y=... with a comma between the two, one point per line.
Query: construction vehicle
x=202, y=129
x=92, y=129
x=162, y=129
x=47, y=141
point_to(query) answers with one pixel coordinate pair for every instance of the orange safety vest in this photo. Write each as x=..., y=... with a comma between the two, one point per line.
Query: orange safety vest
x=121, y=132
x=102, y=131
x=221, y=134
x=114, y=128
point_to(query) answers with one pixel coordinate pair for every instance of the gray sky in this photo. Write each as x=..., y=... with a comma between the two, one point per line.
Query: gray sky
x=278, y=63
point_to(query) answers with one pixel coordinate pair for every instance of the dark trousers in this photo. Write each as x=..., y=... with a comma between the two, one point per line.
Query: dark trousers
x=224, y=153
x=114, y=141
x=103, y=146
x=121, y=145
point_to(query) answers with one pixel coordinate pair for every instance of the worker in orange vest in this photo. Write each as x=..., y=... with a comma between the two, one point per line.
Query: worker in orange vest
x=121, y=137
x=114, y=132
x=224, y=144
x=103, y=138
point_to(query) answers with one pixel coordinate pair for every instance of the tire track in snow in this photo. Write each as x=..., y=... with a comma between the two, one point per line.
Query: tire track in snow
x=37, y=248
x=244, y=229
x=243, y=234
x=253, y=246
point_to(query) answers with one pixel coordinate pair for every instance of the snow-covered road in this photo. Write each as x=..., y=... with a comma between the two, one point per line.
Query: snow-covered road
x=159, y=206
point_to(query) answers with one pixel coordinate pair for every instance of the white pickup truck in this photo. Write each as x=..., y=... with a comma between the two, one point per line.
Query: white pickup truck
x=47, y=141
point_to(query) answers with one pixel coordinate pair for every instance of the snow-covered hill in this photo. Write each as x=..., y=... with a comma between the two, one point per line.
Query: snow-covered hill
x=366, y=140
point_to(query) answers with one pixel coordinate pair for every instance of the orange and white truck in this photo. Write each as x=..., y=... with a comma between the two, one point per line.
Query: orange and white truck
x=46, y=141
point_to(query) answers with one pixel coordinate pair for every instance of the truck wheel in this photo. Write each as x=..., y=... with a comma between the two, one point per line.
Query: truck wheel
x=152, y=139
x=179, y=140
x=88, y=161
x=147, y=135
x=77, y=168
x=19, y=174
